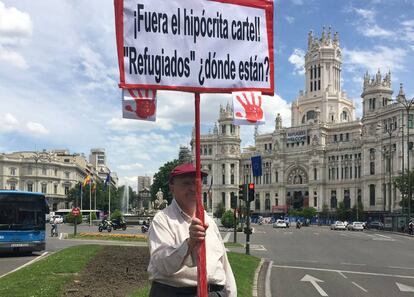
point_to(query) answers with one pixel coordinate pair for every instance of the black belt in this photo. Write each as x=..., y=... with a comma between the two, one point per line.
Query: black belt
x=189, y=290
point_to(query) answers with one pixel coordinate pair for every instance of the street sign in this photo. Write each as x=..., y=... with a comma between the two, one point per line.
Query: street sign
x=75, y=211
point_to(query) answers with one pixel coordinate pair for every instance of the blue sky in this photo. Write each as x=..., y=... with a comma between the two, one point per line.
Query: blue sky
x=59, y=75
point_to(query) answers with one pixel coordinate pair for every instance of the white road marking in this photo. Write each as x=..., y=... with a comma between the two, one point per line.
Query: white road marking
x=400, y=267
x=344, y=271
x=316, y=233
x=314, y=281
x=268, y=291
x=383, y=236
x=26, y=264
x=257, y=247
x=343, y=275
x=354, y=264
x=405, y=288
x=355, y=284
x=307, y=261
x=226, y=237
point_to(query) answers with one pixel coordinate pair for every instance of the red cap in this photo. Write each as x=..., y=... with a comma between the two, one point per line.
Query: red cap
x=182, y=169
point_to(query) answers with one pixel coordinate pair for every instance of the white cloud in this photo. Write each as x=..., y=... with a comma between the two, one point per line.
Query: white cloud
x=131, y=166
x=381, y=57
x=8, y=123
x=408, y=30
x=367, y=14
x=15, y=28
x=14, y=25
x=290, y=19
x=36, y=128
x=12, y=57
x=94, y=68
x=297, y=58
x=375, y=31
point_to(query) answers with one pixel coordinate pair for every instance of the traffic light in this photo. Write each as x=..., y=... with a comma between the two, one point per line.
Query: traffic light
x=251, y=192
x=242, y=192
x=233, y=201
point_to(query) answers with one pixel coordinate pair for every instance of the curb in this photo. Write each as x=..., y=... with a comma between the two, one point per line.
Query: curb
x=256, y=277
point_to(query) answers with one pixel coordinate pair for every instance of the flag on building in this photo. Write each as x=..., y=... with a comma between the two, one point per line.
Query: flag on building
x=107, y=179
x=247, y=108
x=257, y=165
x=86, y=181
x=139, y=104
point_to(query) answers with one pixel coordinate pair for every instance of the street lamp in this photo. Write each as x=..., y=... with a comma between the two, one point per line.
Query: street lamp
x=407, y=105
x=36, y=157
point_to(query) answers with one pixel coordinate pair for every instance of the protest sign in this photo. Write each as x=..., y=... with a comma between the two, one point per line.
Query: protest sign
x=139, y=104
x=247, y=108
x=195, y=45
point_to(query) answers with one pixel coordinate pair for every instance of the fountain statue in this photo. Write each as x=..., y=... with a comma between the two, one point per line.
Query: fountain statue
x=159, y=202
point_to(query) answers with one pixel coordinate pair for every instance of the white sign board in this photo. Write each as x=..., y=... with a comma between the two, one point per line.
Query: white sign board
x=195, y=45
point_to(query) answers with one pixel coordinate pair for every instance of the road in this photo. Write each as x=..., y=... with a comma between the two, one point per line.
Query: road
x=311, y=262
x=316, y=261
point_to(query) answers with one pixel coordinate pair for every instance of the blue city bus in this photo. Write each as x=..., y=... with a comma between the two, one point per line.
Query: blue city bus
x=22, y=221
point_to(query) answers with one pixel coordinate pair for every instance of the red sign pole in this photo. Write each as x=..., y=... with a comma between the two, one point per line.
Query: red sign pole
x=201, y=257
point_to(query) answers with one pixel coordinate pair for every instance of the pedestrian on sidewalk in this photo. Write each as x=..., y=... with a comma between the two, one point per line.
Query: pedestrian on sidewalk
x=411, y=227
x=174, y=237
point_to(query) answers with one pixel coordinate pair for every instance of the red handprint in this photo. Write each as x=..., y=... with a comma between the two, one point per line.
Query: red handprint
x=253, y=112
x=144, y=107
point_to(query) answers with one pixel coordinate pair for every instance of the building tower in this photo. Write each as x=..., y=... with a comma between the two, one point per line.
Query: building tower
x=376, y=93
x=323, y=92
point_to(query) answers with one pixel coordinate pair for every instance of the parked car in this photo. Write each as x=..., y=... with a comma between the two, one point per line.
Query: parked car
x=356, y=226
x=338, y=225
x=57, y=218
x=375, y=225
x=279, y=224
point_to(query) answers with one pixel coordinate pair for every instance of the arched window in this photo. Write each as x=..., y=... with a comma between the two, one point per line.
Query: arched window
x=267, y=204
x=304, y=119
x=310, y=115
x=344, y=116
x=257, y=204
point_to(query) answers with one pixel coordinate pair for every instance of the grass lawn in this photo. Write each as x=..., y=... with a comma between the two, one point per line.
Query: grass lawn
x=233, y=244
x=46, y=278
x=109, y=236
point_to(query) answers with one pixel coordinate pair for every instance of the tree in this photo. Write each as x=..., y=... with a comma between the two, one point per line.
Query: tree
x=309, y=212
x=401, y=183
x=343, y=213
x=161, y=180
x=227, y=220
x=219, y=210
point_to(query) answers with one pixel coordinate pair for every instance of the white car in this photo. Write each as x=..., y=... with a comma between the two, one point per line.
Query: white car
x=356, y=226
x=338, y=225
x=279, y=224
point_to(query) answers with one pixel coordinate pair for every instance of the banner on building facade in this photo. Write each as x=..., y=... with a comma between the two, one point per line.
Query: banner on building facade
x=296, y=136
x=139, y=104
x=247, y=108
x=195, y=45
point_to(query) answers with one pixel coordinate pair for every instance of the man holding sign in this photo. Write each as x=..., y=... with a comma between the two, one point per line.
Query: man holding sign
x=174, y=237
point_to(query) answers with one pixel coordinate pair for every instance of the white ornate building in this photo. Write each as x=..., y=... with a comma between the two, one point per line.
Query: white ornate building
x=327, y=155
x=53, y=173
